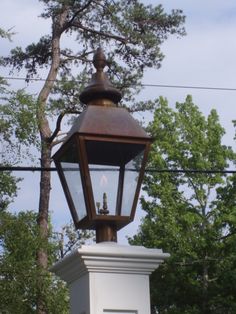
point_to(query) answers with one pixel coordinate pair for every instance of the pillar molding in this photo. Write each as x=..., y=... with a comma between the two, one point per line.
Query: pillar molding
x=109, y=278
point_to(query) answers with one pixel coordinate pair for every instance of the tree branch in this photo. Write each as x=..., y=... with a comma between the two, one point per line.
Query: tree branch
x=197, y=261
x=55, y=143
x=47, y=87
x=73, y=57
x=203, y=206
x=70, y=22
x=227, y=236
x=58, y=124
x=123, y=40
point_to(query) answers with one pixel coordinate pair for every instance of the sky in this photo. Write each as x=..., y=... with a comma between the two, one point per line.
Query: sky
x=205, y=57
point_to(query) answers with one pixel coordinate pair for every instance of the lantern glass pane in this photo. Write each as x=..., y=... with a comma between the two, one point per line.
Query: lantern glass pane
x=105, y=185
x=114, y=170
x=73, y=179
x=132, y=169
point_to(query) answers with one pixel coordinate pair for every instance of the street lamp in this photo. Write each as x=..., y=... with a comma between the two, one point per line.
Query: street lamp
x=101, y=162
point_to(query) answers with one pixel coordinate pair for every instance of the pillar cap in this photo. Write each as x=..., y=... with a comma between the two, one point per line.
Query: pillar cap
x=109, y=257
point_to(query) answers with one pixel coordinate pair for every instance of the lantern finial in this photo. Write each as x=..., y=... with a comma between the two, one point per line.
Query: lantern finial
x=100, y=90
x=99, y=60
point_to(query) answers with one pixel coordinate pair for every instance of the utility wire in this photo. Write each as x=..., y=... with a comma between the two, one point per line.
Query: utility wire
x=190, y=87
x=33, y=169
x=143, y=85
x=148, y=170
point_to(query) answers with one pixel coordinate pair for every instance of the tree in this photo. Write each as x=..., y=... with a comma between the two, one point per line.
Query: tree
x=19, y=242
x=8, y=183
x=191, y=215
x=19, y=234
x=131, y=34
x=7, y=34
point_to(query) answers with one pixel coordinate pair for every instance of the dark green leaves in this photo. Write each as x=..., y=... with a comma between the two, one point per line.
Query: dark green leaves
x=190, y=215
x=18, y=125
x=130, y=33
x=35, y=56
x=19, y=274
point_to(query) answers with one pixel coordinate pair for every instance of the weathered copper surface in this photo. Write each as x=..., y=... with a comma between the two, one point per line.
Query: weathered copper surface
x=102, y=135
x=107, y=121
x=100, y=87
x=106, y=232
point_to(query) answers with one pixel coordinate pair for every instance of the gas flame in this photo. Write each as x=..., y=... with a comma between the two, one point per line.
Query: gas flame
x=103, y=181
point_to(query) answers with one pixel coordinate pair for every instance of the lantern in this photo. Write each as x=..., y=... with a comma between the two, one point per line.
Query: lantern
x=101, y=163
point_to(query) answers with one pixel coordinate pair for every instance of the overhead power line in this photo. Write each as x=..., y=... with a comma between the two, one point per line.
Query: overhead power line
x=190, y=87
x=148, y=170
x=143, y=85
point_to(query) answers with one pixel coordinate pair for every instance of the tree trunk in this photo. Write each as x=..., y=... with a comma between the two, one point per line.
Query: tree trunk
x=42, y=255
x=46, y=149
x=205, y=264
x=205, y=286
x=45, y=187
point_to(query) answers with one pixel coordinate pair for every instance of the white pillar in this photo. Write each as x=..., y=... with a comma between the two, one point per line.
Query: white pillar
x=108, y=278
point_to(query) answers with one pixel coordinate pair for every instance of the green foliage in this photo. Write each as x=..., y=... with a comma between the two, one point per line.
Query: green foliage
x=130, y=33
x=69, y=239
x=8, y=188
x=35, y=55
x=190, y=215
x=69, y=87
x=7, y=34
x=19, y=273
x=18, y=125
x=8, y=183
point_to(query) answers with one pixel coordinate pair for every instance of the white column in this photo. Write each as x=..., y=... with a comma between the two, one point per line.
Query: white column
x=108, y=278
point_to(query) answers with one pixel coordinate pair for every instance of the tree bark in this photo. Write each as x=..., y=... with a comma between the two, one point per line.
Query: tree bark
x=42, y=255
x=45, y=187
x=46, y=148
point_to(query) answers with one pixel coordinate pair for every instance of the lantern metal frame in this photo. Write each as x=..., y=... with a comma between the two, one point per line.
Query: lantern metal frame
x=78, y=140
x=109, y=130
